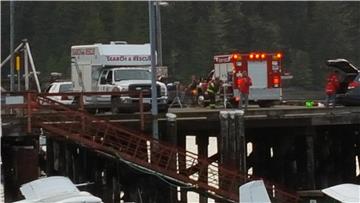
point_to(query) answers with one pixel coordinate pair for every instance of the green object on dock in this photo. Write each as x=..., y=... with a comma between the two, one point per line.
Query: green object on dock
x=309, y=103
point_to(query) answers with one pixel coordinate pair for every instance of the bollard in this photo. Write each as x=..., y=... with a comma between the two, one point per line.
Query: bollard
x=171, y=126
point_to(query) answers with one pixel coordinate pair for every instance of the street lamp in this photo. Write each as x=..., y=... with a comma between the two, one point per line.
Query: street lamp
x=158, y=4
x=154, y=109
x=155, y=37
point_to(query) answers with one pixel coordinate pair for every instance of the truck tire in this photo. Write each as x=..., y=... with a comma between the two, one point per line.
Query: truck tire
x=234, y=103
x=164, y=109
x=265, y=103
x=115, y=105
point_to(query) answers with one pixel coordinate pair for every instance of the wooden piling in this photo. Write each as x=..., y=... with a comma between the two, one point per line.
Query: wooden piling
x=182, y=164
x=171, y=137
x=310, y=163
x=49, y=157
x=202, y=143
x=232, y=142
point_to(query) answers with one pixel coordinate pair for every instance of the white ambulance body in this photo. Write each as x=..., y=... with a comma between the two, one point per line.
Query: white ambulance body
x=114, y=67
x=264, y=69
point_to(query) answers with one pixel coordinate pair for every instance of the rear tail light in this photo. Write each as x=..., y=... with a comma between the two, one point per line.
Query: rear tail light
x=276, y=81
x=353, y=85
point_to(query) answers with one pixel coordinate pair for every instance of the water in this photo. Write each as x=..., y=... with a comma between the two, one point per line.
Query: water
x=191, y=146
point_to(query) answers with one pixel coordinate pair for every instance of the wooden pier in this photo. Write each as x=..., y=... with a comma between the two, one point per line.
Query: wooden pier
x=295, y=147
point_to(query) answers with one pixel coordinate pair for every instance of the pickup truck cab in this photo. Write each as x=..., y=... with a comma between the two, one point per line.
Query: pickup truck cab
x=130, y=79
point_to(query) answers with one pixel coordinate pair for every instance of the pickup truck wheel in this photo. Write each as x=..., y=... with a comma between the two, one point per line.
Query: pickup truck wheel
x=164, y=109
x=115, y=104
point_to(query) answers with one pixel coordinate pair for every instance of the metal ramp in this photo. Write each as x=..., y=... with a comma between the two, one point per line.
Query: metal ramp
x=143, y=151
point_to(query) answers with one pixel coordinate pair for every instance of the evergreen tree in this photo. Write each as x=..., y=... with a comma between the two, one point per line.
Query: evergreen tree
x=218, y=21
x=308, y=33
x=300, y=69
x=236, y=27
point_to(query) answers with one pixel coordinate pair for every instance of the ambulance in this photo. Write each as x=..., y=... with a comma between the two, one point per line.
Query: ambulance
x=117, y=66
x=264, y=69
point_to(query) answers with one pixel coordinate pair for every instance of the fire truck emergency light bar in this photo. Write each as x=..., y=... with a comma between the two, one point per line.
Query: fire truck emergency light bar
x=237, y=56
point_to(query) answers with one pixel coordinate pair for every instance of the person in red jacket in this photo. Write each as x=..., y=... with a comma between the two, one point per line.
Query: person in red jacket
x=244, y=86
x=331, y=88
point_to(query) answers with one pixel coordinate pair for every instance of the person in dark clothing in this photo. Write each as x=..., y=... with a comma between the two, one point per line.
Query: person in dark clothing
x=193, y=89
x=212, y=89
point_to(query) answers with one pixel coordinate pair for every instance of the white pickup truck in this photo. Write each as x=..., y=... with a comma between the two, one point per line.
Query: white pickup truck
x=117, y=66
x=130, y=79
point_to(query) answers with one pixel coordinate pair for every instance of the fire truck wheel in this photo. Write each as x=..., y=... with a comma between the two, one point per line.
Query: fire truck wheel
x=264, y=104
x=234, y=103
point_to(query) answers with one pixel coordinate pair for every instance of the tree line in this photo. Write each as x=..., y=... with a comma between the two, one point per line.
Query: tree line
x=308, y=33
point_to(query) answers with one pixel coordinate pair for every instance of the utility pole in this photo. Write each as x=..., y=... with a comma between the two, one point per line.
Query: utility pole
x=2, y=199
x=152, y=35
x=12, y=79
x=158, y=35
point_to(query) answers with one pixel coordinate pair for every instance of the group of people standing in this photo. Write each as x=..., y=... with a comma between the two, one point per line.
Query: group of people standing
x=213, y=87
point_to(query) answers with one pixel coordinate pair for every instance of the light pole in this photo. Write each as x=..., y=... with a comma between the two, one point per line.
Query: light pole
x=156, y=46
x=152, y=35
x=158, y=31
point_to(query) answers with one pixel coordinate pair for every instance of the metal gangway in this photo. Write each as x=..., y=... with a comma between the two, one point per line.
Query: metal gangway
x=138, y=149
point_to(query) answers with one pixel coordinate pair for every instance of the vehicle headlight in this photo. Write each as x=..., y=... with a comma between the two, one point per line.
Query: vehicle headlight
x=123, y=89
x=201, y=98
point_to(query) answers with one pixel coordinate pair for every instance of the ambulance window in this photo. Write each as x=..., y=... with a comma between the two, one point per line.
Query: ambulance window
x=109, y=77
x=103, y=77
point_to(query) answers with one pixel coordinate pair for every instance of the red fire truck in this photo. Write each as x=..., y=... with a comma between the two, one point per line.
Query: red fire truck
x=264, y=69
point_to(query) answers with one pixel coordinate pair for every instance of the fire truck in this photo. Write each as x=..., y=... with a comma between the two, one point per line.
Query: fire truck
x=264, y=69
